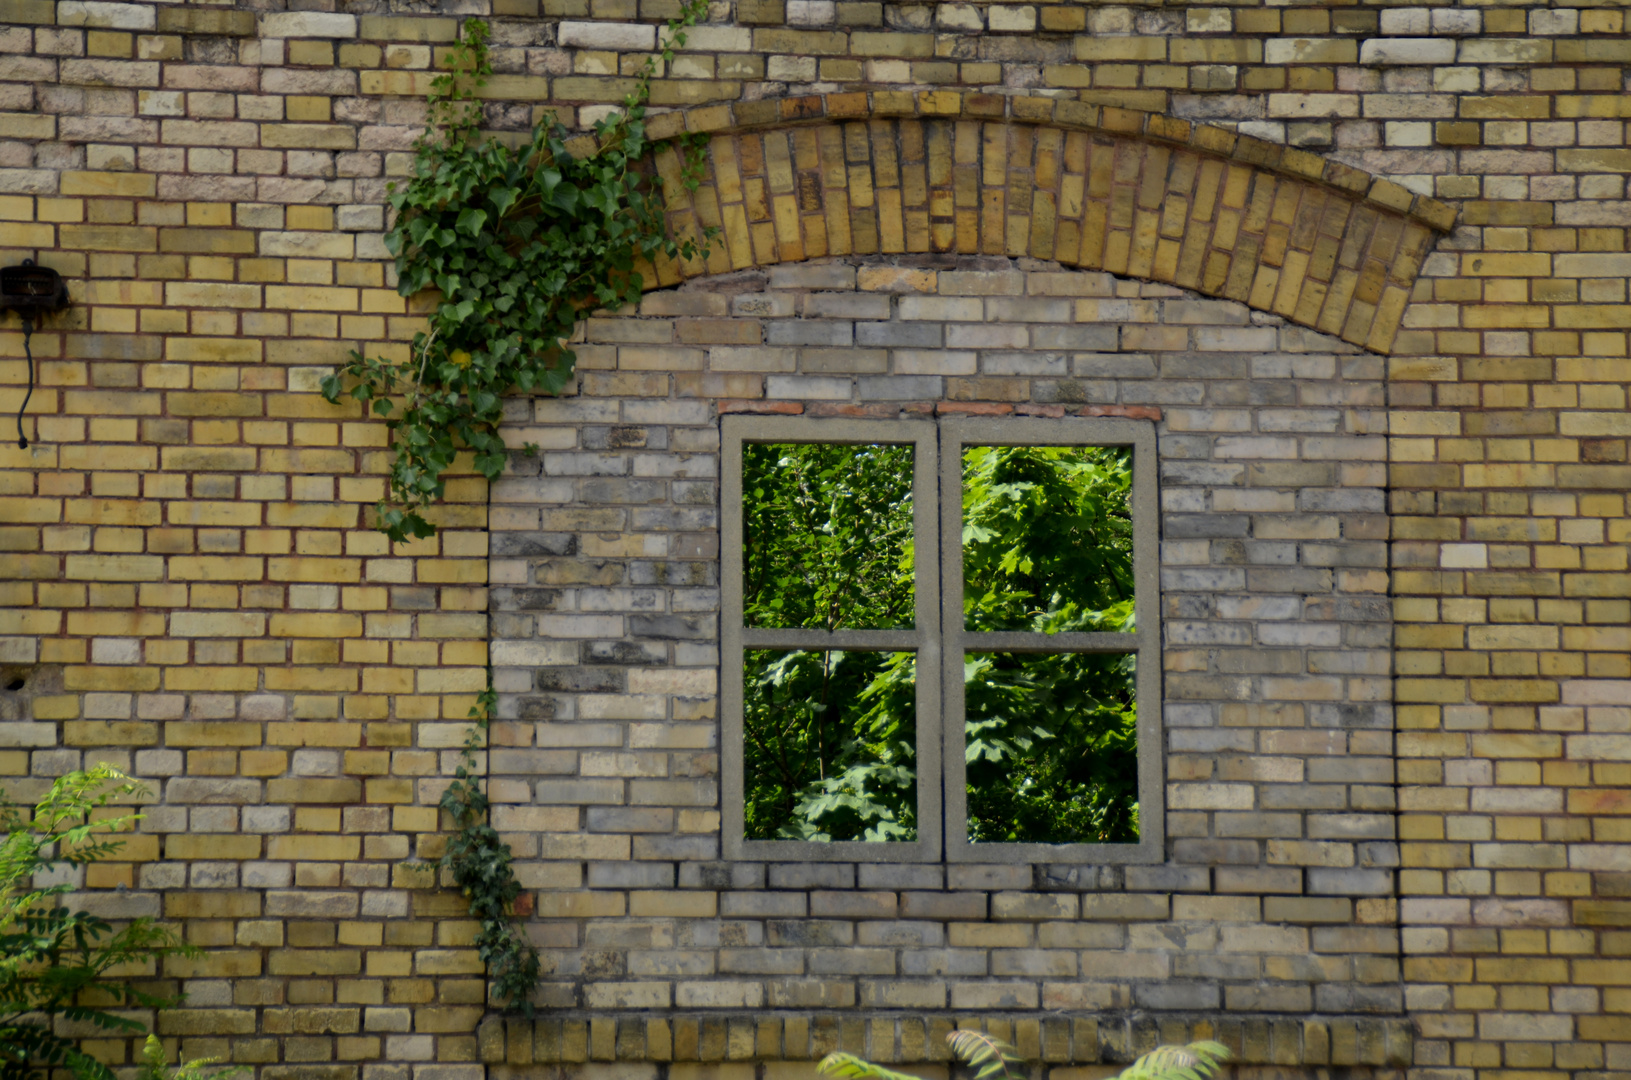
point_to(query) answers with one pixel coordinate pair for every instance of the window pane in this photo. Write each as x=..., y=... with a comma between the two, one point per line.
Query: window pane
x=827, y=536
x=1051, y=745
x=1048, y=538
x=830, y=745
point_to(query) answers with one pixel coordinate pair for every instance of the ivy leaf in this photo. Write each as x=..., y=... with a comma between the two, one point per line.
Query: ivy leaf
x=502, y=199
x=522, y=243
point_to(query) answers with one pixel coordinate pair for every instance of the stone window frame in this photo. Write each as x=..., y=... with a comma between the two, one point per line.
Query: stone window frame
x=937, y=468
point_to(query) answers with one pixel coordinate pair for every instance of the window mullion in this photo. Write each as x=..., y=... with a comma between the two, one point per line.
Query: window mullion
x=949, y=476
x=1033, y=642
x=818, y=640
x=929, y=583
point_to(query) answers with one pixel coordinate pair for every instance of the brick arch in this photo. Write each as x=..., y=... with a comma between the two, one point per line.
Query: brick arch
x=1141, y=195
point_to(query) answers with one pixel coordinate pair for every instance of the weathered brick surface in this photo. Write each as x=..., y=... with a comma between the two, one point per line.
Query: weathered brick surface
x=188, y=587
x=1099, y=188
x=1279, y=728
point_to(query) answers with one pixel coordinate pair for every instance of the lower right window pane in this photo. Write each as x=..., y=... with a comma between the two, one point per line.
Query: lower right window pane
x=1051, y=746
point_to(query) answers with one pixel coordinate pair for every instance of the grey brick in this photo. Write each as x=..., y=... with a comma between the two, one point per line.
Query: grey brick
x=630, y=875
x=907, y=334
x=947, y=905
x=1177, y=995
x=810, y=332
x=901, y=388
x=812, y=876
x=809, y=933
x=899, y=876
x=961, y=962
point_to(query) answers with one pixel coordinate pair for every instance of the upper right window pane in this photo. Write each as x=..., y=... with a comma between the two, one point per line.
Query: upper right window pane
x=1048, y=538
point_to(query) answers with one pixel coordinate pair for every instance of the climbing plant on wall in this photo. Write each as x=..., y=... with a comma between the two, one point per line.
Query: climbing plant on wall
x=521, y=244
x=479, y=862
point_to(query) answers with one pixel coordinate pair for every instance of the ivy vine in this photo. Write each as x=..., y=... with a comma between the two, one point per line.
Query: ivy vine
x=479, y=861
x=522, y=244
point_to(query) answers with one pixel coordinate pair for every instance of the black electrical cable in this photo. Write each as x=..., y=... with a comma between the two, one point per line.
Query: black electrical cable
x=28, y=351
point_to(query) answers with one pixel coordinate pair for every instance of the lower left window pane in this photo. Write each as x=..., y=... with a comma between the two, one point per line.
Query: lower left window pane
x=829, y=745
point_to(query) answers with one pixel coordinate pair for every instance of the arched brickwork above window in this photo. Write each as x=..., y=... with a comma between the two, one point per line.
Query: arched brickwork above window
x=1323, y=244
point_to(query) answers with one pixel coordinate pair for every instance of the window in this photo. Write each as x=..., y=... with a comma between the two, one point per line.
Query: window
x=940, y=640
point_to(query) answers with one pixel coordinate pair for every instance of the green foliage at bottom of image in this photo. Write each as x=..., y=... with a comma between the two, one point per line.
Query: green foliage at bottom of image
x=992, y=1059
x=58, y=963
x=155, y=1065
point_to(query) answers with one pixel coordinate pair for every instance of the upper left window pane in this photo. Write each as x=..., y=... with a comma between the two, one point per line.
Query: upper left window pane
x=827, y=536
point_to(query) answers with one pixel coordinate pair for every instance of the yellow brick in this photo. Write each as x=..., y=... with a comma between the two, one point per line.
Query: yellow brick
x=211, y=295
x=114, y=567
x=1121, y=48
x=113, y=679
x=299, y=568
x=109, y=237
x=62, y=209
x=29, y=623
x=127, y=184
x=207, y=846
x=213, y=350
x=316, y=624
x=314, y=734
x=308, y=298
x=309, y=136
x=215, y=568
x=309, y=847
x=18, y=234
x=218, y=679
x=301, y=108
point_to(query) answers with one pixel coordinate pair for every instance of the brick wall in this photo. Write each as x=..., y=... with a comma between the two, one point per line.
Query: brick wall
x=190, y=589
x=1277, y=892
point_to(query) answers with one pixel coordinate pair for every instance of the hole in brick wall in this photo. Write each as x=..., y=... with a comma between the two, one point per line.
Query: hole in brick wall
x=19, y=685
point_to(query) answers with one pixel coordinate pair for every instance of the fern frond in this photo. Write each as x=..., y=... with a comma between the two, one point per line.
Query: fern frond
x=991, y=1056
x=1197, y=1061
x=849, y=1067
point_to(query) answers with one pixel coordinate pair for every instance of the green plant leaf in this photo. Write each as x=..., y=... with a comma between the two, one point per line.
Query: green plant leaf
x=1197, y=1061
x=523, y=243
x=849, y=1067
x=990, y=1056
x=53, y=960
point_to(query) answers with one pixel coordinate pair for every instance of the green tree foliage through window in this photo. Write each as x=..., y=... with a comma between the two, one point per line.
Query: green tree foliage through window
x=1051, y=738
x=830, y=735
x=831, y=745
x=827, y=536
